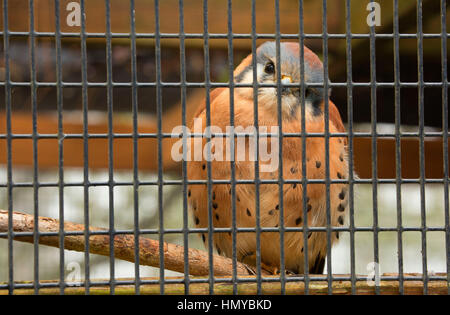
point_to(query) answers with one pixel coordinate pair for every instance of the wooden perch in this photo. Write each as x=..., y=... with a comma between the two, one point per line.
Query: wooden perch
x=123, y=246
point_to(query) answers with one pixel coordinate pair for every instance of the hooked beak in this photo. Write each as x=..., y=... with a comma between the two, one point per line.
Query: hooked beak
x=285, y=79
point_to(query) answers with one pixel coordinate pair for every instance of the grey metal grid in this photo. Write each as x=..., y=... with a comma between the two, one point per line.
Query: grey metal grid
x=397, y=85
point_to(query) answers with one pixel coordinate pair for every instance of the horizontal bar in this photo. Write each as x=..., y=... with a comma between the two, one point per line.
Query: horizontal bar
x=238, y=230
x=220, y=84
x=44, y=136
x=222, y=35
x=288, y=278
x=226, y=182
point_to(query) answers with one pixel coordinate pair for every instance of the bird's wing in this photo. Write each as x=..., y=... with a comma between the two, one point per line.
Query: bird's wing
x=335, y=118
x=212, y=95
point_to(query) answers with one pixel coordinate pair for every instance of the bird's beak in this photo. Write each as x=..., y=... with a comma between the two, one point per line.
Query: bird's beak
x=285, y=79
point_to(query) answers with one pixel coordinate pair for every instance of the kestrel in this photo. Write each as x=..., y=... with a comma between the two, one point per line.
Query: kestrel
x=220, y=196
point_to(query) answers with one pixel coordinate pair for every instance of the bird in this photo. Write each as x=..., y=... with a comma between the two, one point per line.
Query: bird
x=213, y=205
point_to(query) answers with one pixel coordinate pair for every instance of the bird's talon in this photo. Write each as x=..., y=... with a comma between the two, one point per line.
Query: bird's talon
x=250, y=270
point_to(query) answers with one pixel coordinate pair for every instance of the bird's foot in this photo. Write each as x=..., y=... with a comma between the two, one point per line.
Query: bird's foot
x=271, y=270
x=250, y=263
x=251, y=270
x=287, y=272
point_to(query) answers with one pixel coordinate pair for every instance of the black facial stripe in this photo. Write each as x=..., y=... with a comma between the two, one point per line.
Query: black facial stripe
x=296, y=106
x=316, y=96
x=316, y=100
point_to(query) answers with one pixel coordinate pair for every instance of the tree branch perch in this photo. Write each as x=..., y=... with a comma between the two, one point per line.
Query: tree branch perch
x=123, y=246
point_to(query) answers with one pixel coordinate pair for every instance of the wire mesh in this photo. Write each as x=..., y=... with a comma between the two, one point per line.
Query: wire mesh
x=160, y=182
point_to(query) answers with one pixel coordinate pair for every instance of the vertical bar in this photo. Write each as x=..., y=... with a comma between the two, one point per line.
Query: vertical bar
x=135, y=110
x=445, y=131
x=159, y=138
x=304, y=148
x=86, y=184
x=398, y=152
x=421, y=144
x=257, y=178
x=59, y=100
x=280, y=153
x=208, y=136
x=184, y=166
x=348, y=36
x=109, y=100
x=10, y=184
x=327, y=141
x=373, y=109
x=232, y=143
x=35, y=147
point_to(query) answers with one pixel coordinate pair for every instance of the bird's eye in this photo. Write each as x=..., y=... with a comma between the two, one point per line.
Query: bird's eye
x=269, y=68
x=307, y=93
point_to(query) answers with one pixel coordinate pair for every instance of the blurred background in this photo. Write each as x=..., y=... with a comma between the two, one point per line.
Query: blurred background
x=384, y=208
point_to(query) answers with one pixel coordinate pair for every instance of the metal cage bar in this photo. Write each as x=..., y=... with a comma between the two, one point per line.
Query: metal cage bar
x=373, y=118
x=303, y=124
x=232, y=146
x=86, y=182
x=350, y=142
x=184, y=164
x=207, y=84
x=160, y=161
x=327, y=141
x=280, y=149
x=135, y=111
x=398, y=136
x=444, y=78
x=10, y=183
x=109, y=101
x=35, y=146
x=61, y=147
x=220, y=35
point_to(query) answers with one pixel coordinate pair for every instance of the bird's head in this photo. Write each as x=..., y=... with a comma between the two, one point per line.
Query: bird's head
x=290, y=74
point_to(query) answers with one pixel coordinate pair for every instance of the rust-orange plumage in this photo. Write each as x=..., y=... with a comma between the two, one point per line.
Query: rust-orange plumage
x=221, y=193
